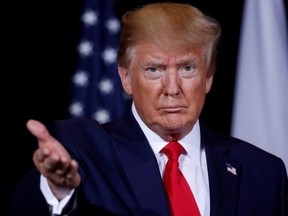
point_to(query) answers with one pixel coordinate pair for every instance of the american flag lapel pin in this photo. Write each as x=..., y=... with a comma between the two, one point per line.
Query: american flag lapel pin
x=231, y=169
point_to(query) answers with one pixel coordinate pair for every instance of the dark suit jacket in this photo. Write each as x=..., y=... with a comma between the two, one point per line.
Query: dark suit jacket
x=120, y=175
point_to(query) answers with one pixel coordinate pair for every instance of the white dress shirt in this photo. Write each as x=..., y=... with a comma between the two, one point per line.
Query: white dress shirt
x=193, y=166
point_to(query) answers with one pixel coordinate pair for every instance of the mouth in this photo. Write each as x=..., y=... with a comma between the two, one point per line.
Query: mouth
x=172, y=109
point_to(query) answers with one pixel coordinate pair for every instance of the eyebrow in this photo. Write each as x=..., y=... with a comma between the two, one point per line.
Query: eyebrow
x=179, y=62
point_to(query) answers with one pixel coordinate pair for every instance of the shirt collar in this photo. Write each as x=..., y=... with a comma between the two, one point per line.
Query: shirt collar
x=191, y=142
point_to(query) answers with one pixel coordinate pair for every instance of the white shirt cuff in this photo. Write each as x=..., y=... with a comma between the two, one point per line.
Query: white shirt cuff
x=57, y=205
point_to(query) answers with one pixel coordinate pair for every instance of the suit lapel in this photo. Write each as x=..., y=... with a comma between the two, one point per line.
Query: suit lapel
x=140, y=166
x=224, y=174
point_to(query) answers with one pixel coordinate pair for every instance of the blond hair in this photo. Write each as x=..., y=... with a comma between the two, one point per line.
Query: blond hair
x=172, y=24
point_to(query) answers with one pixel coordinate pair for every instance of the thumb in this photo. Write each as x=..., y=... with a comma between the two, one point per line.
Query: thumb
x=39, y=130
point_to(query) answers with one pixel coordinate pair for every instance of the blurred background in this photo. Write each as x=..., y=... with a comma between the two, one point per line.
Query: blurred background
x=40, y=57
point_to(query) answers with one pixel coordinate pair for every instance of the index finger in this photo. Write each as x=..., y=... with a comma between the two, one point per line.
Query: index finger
x=39, y=130
x=47, y=143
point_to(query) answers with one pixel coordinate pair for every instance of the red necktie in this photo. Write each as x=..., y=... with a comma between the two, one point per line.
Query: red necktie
x=182, y=201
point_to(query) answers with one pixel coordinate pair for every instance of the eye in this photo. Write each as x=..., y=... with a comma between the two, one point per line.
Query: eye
x=188, y=71
x=188, y=68
x=152, y=73
x=152, y=69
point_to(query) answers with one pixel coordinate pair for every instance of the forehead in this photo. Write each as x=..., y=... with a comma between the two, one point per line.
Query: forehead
x=153, y=51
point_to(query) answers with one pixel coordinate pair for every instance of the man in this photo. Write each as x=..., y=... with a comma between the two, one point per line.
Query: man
x=166, y=62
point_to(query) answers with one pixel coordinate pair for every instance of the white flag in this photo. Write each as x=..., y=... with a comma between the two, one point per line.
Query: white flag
x=260, y=110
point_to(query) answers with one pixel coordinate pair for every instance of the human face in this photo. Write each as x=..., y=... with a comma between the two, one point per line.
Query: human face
x=168, y=86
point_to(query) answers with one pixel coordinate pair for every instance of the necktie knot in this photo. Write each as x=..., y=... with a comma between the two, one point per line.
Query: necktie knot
x=173, y=150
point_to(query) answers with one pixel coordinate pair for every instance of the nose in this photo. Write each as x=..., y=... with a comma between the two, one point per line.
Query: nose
x=171, y=83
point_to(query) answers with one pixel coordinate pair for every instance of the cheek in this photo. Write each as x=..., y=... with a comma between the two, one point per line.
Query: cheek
x=146, y=93
x=195, y=93
x=195, y=87
x=144, y=87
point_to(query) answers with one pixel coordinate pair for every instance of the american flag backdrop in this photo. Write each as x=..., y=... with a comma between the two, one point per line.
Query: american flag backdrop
x=96, y=88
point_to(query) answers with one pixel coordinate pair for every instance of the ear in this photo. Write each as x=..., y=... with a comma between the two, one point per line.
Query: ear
x=209, y=81
x=125, y=79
